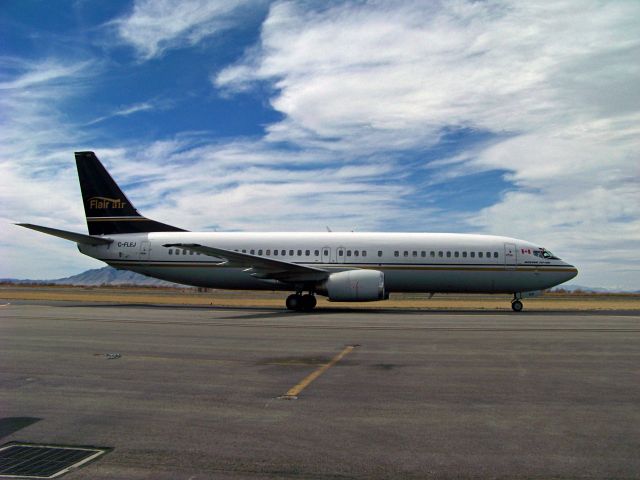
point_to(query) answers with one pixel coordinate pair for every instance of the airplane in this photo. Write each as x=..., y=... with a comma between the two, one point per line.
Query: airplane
x=343, y=266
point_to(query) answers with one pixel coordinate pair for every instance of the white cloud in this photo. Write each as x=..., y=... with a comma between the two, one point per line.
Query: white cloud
x=35, y=166
x=355, y=70
x=557, y=84
x=576, y=195
x=245, y=185
x=154, y=26
x=126, y=111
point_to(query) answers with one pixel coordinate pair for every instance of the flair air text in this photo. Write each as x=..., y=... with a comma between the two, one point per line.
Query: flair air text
x=98, y=203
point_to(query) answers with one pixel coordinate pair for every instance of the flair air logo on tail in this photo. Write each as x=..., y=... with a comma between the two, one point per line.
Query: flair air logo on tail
x=105, y=203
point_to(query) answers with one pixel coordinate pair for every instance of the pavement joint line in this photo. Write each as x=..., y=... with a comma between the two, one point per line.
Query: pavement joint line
x=292, y=393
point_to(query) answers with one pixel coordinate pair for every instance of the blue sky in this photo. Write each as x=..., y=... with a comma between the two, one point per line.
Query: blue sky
x=511, y=118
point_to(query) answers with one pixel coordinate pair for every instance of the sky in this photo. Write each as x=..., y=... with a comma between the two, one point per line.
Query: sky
x=499, y=117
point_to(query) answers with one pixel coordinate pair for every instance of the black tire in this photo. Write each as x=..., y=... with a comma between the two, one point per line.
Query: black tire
x=294, y=302
x=516, y=305
x=308, y=302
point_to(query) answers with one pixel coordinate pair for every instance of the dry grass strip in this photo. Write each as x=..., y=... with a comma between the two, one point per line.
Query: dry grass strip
x=219, y=298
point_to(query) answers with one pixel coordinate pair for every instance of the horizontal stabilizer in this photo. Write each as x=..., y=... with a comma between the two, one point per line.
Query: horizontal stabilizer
x=73, y=236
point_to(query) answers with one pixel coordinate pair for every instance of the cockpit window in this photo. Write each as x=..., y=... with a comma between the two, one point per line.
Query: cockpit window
x=545, y=254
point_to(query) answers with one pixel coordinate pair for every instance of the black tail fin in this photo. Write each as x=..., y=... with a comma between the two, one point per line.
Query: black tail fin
x=107, y=208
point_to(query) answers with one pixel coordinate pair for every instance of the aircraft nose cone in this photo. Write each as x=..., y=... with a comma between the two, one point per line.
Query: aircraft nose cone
x=572, y=272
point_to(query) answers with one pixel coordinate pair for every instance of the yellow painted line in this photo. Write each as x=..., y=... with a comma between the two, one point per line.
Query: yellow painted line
x=293, y=392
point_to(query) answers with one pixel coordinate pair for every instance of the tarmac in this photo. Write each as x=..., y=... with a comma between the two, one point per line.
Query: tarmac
x=259, y=393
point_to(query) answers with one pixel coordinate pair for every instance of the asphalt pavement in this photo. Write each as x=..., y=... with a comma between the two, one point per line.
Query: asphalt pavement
x=199, y=392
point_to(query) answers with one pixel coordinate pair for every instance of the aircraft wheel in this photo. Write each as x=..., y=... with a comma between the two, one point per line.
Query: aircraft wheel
x=294, y=301
x=516, y=305
x=308, y=302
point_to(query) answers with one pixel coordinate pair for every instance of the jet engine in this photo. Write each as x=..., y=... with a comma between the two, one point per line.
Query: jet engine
x=355, y=286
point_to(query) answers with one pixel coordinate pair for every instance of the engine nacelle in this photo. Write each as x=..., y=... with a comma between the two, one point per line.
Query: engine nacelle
x=355, y=286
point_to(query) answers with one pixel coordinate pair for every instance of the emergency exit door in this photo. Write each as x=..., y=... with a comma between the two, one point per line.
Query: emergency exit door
x=510, y=258
x=145, y=250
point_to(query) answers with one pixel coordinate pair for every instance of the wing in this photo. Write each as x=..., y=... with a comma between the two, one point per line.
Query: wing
x=259, y=267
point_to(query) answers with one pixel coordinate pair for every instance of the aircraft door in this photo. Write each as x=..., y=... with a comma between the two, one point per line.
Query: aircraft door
x=145, y=251
x=510, y=259
x=326, y=255
x=340, y=254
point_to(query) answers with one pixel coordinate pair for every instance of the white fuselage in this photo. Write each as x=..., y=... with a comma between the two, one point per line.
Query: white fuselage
x=411, y=262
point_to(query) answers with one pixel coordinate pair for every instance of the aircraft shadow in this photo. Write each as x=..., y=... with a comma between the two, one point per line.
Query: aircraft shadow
x=272, y=312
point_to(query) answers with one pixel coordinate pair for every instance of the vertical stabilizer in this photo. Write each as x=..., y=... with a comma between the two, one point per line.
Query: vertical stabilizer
x=106, y=207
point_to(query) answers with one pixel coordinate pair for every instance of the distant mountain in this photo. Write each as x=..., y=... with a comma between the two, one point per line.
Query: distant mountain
x=574, y=288
x=101, y=276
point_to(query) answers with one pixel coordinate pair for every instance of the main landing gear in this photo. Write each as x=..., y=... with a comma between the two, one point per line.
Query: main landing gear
x=516, y=304
x=301, y=303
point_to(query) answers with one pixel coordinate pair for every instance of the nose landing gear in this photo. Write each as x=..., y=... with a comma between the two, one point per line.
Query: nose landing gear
x=301, y=303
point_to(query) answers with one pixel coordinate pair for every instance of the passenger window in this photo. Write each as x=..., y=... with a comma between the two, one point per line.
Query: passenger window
x=326, y=253
x=348, y=253
x=464, y=254
x=307, y=253
x=415, y=253
x=291, y=253
x=284, y=253
x=456, y=254
x=440, y=254
x=275, y=252
x=356, y=253
x=406, y=254
x=396, y=253
x=379, y=253
x=432, y=254
x=190, y=252
x=479, y=254
x=244, y=250
x=317, y=253
x=488, y=254
x=268, y=252
x=448, y=254
x=364, y=253
x=473, y=254
x=252, y=252
x=423, y=254
x=495, y=254
x=170, y=251
x=184, y=251
x=259, y=252
x=299, y=253
x=340, y=253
